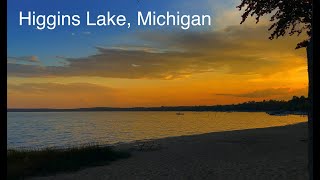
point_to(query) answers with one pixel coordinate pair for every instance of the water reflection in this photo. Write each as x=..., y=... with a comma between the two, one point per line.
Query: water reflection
x=47, y=129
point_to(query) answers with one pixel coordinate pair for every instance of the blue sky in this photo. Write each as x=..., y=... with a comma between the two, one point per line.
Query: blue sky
x=148, y=66
x=81, y=41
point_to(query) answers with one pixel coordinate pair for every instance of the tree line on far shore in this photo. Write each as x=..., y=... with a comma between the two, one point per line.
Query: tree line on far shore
x=300, y=104
x=296, y=104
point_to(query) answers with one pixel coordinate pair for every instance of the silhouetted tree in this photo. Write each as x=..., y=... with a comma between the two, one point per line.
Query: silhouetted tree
x=288, y=17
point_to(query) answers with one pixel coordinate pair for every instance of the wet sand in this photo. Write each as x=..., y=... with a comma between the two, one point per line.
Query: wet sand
x=255, y=154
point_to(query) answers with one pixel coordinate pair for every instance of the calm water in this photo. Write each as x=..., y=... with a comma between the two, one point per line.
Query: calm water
x=47, y=129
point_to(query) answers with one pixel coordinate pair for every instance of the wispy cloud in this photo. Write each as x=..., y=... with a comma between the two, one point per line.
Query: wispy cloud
x=86, y=33
x=57, y=87
x=233, y=50
x=29, y=59
x=60, y=95
x=265, y=93
x=135, y=65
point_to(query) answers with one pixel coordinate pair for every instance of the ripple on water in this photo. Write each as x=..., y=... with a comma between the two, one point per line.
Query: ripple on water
x=63, y=129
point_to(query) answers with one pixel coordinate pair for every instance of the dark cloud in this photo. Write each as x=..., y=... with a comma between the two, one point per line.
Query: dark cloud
x=236, y=49
x=268, y=92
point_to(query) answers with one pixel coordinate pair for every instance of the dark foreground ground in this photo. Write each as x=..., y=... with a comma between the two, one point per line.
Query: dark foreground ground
x=256, y=154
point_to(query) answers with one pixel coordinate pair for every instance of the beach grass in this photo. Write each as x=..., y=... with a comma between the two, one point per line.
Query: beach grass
x=40, y=162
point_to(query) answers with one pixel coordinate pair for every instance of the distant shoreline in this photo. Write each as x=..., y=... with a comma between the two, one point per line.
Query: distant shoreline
x=297, y=106
x=279, y=113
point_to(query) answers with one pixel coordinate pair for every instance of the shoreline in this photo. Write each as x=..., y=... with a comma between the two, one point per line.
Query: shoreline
x=264, y=153
x=128, y=110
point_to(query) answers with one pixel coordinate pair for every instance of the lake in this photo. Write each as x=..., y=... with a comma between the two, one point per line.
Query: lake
x=64, y=129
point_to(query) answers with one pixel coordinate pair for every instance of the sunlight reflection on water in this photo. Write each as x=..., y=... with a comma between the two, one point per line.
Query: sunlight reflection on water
x=63, y=129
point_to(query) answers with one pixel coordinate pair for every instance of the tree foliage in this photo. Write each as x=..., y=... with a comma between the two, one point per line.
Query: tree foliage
x=287, y=16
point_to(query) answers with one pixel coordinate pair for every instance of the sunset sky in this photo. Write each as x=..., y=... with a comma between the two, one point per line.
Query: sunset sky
x=83, y=66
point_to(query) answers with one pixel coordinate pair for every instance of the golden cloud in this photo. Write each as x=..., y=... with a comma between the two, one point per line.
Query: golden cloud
x=233, y=50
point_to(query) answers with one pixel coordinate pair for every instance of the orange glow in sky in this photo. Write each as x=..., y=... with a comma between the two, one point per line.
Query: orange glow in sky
x=230, y=65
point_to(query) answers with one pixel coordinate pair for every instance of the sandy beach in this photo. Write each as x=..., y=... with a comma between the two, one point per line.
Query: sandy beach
x=255, y=154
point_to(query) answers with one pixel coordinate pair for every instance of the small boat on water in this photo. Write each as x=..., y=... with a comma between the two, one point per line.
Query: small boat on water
x=179, y=113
